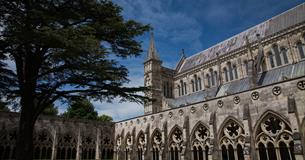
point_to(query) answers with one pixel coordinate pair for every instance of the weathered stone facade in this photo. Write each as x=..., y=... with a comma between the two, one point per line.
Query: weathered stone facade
x=242, y=99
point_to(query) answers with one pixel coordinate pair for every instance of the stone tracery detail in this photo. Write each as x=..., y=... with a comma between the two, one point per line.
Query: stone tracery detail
x=176, y=145
x=232, y=140
x=274, y=139
x=66, y=146
x=200, y=142
x=157, y=144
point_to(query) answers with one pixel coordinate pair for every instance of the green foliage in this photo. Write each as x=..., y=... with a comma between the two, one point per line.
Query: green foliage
x=50, y=110
x=105, y=118
x=82, y=109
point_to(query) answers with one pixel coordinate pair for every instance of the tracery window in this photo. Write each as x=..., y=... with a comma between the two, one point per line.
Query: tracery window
x=8, y=144
x=141, y=145
x=200, y=142
x=271, y=59
x=301, y=48
x=193, y=85
x=88, y=147
x=230, y=71
x=129, y=143
x=42, y=145
x=276, y=52
x=176, y=140
x=225, y=71
x=246, y=66
x=66, y=146
x=235, y=72
x=232, y=140
x=107, y=147
x=274, y=139
x=283, y=52
x=156, y=144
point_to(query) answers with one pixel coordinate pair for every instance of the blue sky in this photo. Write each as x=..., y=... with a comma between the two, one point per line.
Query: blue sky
x=193, y=25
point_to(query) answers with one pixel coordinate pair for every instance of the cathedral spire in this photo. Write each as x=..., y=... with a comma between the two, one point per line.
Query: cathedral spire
x=152, y=52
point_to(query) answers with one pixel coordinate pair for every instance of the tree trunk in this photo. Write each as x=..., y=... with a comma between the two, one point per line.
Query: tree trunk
x=24, y=148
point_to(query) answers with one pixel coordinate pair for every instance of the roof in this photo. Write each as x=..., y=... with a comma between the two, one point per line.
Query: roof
x=280, y=22
x=237, y=86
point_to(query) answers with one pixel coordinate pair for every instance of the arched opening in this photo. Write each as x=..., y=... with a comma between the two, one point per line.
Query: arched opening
x=196, y=82
x=195, y=157
x=235, y=72
x=272, y=131
x=193, y=87
x=200, y=151
x=232, y=134
x=284, y=55
x=208, y=80
x=246, y=67
x=206, y=152
x=179, y=90
x=199, y=83
x=301, y=47
x=271, y=60
x=230, y=71
x=224, y=153
x=240, y=152
x=275, y=49
x=225, y=71
x=185, y=91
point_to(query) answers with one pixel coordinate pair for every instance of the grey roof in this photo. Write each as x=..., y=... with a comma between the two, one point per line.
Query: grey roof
x=280, y=22
x=266, y=78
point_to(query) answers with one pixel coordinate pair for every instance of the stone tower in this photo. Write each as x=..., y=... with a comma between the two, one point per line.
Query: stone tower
x=152, y=78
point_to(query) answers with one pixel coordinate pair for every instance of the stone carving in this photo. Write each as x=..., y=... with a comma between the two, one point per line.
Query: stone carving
x=205, y=107
x=255, y=95
x=236, y=99
x=276, y=90
x=220, y=103
x=301, y=85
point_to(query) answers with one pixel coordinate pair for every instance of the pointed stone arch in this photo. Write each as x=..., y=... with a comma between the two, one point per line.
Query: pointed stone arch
x=274, y=137
x=231, y=139
x=43, y=143
x=200, y=137
x=156, y=143
x=176, y=142
x=66, y=146
x=141, y=144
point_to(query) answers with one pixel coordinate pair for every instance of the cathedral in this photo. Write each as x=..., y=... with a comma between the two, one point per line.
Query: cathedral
x=241, y=99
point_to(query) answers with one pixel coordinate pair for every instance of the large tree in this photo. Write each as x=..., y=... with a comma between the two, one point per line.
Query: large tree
x=64, y=49
x=82, y=109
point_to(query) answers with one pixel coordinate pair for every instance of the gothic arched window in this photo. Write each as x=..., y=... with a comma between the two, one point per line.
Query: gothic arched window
x=182, y=87
x=176, y=139
x=301, y=47
x=246, y=66
x=208, y=77
x=235, y=72
x=141, y=145
x=88, y=147
x=284, y=55
x=200, y=142
x=185, y=91
x=156, y=144
x=66, y=146
x=196, y=82
x=276, y=51
x=274, y=137
x=193, y=85
x=199, y=83
x=230, y=71
x=225, y=72
x=43, y=144
x=271, y=59
x=232, y=140
x=179, y=90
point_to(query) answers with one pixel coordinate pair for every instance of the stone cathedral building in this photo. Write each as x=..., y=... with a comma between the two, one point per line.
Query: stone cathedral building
x=241, y=99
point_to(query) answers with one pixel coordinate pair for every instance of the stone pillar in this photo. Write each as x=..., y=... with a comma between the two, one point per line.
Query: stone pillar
x=97, y=142
x=213, y=151
x=249, y=147
x=291, y=50
x=295, y=123
x=78, y=149
x=54, y=148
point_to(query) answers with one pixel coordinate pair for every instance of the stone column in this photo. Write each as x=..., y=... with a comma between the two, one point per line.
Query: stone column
x=97, y=142
x=249, y=150
x=54, y=148
x=213, y=151
x=78, y=151
x=295, y=123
